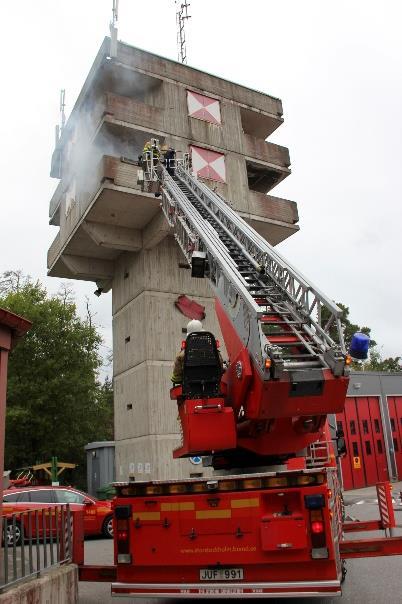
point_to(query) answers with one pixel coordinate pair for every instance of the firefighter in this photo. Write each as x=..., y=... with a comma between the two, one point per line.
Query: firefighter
x=177, y=378
x=192, y=326
x=142, y=159
x=156, y=152
x=147, y=147
x=170, y=156
x=150, y=163
x=151, y=149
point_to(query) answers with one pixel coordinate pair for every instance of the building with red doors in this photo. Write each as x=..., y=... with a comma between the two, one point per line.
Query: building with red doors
x=372, y=424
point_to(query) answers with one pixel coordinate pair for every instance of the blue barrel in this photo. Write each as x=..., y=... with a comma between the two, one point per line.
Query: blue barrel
x=359, y=346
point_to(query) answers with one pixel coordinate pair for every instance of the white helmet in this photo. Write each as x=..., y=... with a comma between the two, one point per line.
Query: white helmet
x=194, y=325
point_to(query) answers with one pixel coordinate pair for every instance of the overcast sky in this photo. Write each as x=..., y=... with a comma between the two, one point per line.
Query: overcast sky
x=335, y=65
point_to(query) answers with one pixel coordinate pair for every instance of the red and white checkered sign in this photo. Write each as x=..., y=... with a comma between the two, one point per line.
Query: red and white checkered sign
x=203, y=107
x=208, y=164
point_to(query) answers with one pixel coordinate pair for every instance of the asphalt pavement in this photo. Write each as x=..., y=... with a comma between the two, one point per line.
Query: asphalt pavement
x=368, y=581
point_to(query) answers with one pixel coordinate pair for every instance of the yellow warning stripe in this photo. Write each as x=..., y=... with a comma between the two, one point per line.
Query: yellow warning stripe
x=208, y=514
x=245, y=503
x=189, y=506
x=176, y=507
x=146, y=515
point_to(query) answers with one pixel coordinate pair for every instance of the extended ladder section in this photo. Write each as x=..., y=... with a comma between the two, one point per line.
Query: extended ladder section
x=283, y=320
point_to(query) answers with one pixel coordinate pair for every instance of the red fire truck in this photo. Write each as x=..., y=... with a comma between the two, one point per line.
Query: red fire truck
x=267, y=522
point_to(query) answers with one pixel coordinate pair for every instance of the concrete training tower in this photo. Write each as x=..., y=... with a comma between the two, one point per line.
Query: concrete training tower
x=112, y=233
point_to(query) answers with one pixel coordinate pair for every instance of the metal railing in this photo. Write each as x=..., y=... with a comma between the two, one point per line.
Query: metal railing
x=151, y=167
x=319, y=454
x=34, y=541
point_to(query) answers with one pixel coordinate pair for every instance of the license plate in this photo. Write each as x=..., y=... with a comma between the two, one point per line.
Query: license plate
x=221, y=574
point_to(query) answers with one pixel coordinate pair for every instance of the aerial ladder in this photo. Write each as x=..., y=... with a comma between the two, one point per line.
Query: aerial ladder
x=288, y=365
x=269, y=521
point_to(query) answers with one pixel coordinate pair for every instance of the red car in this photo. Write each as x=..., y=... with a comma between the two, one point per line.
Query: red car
x=98, y=516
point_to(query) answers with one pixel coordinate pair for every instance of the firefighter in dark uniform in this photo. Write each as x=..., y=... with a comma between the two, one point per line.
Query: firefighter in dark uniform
x=177, y=378
x=169, y=158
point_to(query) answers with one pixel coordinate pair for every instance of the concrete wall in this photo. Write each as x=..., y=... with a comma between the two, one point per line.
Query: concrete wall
x=58, y=586
x=188, y=76
x=147, y=334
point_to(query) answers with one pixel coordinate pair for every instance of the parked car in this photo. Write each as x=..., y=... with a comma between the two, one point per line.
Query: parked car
x=98, y=516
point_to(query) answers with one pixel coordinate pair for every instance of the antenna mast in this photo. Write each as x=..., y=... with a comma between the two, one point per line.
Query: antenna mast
x=60, y=127
x=113, y=28
x=181, y=16
x=62, y=108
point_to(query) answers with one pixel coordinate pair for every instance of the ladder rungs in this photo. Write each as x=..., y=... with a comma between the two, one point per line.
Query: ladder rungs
x=278, y=312
x=299, y=356
x=296, y=343
x=278, y=333
x=303, y=365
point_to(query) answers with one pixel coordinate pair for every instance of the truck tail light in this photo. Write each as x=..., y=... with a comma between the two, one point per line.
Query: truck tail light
x=318, y=536
x=317, y=527
x=122, y=532
x=122, y=515
x=316, y=504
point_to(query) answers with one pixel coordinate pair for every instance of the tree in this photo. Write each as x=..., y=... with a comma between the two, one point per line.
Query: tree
x=105, y=401
x=348, y=328
x=375, y=362
x=55, y=403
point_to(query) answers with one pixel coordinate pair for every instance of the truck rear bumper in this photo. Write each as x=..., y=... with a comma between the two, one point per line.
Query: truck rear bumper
x=300, y=589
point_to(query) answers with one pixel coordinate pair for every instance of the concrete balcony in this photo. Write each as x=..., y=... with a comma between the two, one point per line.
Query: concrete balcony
x=54, y=250
x=124, y=110
x=111, y=214
x=267, y=164
x=119, y=125
x=272, y=154
x=134, y=112
x=274, y=218
x=89, y=183
x=258, y=123
x=54, y=206
x=276, y=208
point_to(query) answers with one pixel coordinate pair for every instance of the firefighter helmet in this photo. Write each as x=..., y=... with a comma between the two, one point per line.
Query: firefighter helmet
x=194, y=325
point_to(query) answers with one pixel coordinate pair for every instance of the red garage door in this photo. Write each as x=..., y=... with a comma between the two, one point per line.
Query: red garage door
x=365, y=462
x=395, y=416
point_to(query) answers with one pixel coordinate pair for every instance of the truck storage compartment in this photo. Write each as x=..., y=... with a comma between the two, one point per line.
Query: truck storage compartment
x=283, y=525
x=207, y=426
